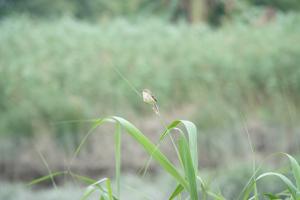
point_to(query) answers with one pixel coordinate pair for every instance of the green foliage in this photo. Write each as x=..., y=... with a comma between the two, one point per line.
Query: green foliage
x=103, y=9
x=42, y=8
x=54, y=71
x=282, y=5
x=83, y=9
x=293, y=189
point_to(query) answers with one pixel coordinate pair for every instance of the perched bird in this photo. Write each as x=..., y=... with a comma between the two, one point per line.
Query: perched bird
x=150, y=99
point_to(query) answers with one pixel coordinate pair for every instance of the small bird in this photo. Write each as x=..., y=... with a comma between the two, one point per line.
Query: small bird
x=150, y=99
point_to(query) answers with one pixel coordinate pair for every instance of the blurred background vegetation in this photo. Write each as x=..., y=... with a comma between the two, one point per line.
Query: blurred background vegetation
x=230, y=66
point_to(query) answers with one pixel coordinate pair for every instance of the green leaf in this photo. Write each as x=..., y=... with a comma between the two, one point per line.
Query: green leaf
x=189, y=170
x=176, y=192
x=192, y=133
x=109, y=189
x=295, y=169
x=290, y=186
x=94, y=126
x=272, y=196
x=118, y=157
x=192, y=137
x=48, y=177
x=97, y=184
x=151, y=149
x=244, y=195
x=88, y=192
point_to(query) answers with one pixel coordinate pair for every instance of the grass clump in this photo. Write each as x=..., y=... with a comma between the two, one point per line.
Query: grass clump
x=186, y=176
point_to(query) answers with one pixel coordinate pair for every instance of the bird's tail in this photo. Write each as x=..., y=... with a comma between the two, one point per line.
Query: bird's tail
x=155, y=108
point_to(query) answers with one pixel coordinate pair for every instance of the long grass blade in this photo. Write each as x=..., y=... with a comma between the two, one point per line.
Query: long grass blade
x=192, y=133
x=109, y=189
x=88, y=192
x=151, y=149
x=118, y=157
x=87, y=180
x=290, y=186
x=48, y=177
x=246, y=192
x=295, y=169
x=192, y=137
x=176, y=192
x=48, y=168
x=188, y=166
x=94, y=126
